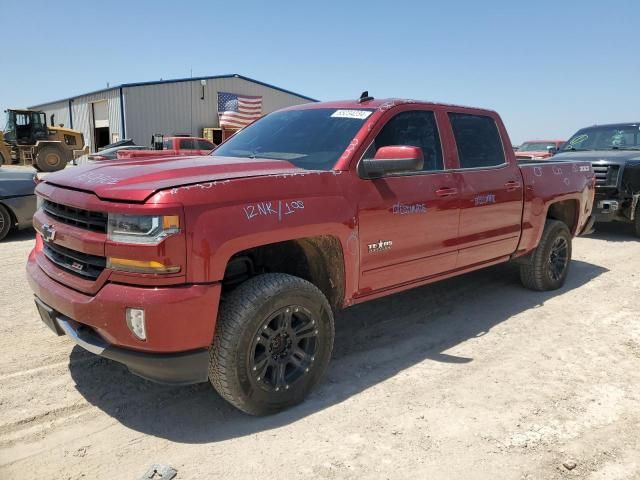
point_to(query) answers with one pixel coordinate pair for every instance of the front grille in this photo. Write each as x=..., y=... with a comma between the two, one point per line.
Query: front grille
x=94, y=221
x=606, y=175
x=78, y=263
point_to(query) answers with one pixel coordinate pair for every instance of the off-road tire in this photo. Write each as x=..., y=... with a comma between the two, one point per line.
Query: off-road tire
x=50, y=159
x=5, y=222
x=536, y=274
x=242, y=315
x=636, y=220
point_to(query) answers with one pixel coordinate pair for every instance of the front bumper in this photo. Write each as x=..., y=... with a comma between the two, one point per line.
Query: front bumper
x=180, y=323
x=588, y=226
x=174, y=368
x=23, y=208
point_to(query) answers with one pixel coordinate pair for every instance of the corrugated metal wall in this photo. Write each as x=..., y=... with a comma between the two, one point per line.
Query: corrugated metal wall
x=171, y=108
x=59, y=109
x=82, y=116
x=166, y=108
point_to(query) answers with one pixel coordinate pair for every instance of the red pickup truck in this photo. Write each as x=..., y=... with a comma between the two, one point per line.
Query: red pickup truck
x=229, y=267
x=172, y=147
x=538, y=149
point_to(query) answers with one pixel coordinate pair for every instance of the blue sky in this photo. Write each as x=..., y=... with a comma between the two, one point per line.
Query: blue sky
x=548, y=67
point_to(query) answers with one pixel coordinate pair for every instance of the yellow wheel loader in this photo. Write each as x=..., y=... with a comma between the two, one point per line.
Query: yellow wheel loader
x=27, y=140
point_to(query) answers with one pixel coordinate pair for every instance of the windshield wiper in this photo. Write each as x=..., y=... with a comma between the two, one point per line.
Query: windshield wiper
x=617, y=147
x=574, y=149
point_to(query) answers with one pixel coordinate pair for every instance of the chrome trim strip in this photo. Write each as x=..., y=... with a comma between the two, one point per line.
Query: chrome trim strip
x=97, y=348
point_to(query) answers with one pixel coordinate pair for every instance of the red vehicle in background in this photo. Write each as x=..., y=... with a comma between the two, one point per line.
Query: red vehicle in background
x=538, y=149
x=172, y=147
x=229, y=267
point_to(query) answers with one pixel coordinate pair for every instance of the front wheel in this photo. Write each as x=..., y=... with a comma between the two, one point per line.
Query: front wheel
x=273, y=342
x=50, y=159
x=549, y=263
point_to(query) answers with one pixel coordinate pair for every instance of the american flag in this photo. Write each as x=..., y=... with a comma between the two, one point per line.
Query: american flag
x=237, y=111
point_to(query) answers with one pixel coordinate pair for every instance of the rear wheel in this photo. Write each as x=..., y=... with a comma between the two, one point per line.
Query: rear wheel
x=5, y=222
x=549, y=263
x=50, y=159
x=272, y=344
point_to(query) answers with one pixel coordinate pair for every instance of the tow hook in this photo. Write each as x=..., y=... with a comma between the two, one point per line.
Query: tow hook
x=608, y=206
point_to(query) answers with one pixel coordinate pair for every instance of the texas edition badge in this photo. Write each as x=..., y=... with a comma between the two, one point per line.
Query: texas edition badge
x=379, y=246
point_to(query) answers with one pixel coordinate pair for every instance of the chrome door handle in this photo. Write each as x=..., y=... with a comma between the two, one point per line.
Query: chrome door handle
x=512, y=185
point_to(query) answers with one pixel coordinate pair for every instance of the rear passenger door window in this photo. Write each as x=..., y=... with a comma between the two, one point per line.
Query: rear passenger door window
x=478, y=140
x=187, y=144
x=415, y=128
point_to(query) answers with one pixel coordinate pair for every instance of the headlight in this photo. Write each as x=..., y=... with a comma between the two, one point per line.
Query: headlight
x=143, y=229
x=537, y=158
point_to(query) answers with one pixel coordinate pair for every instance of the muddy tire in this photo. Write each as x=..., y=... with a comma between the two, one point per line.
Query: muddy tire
x=50, y=159
x=549, y=263
x=5, y=222
x=272, y=344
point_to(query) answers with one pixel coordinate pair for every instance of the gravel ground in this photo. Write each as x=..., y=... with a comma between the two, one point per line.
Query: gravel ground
x=474, y=377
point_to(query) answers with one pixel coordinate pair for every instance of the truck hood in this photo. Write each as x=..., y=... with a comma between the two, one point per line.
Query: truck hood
x=16, y=184
x=137, y=180
x=619, y=157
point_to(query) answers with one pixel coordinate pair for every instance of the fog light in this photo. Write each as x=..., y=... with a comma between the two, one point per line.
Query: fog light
x=135, y=322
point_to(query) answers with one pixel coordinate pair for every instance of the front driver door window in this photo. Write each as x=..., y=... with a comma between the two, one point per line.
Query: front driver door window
x=407, y=229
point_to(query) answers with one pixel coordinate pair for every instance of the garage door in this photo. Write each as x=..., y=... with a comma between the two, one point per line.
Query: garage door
x=100, y=114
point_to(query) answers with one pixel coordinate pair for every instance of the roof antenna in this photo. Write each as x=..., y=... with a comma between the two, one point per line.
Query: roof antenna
x=364, y=97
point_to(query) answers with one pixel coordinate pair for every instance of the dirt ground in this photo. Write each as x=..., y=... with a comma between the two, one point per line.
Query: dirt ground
x=471, y=378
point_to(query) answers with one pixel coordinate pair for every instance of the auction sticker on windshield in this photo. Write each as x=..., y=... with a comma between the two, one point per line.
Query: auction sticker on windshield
x=359, y=114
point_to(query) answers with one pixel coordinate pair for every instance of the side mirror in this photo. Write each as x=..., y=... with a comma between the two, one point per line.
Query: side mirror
x=393, y=159
x=552, y=150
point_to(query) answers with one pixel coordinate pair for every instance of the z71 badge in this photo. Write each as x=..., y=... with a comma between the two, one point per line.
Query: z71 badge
x=380, y=246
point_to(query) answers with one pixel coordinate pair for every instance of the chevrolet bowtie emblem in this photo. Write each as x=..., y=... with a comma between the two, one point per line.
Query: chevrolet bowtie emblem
x=48, y=233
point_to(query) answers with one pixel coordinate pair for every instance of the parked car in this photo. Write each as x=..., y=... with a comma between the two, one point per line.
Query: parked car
x=112, y=153
x=17, y=200
x=229, y=267
x=538, y=149
x=125, y=142
x=173, y=146
x=614, y=152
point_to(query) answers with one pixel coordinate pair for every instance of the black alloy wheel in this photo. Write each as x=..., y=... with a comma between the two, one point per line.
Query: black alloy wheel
x=284, y=348
x=558, y=258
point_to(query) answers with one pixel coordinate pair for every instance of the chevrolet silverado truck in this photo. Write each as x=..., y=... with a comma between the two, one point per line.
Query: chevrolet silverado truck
x=614, y=153
x=171, y=147
x=229, y=267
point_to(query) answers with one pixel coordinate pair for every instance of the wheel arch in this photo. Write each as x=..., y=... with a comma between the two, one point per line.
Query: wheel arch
x=566, y=211
x=318, y=259
x=12, y=215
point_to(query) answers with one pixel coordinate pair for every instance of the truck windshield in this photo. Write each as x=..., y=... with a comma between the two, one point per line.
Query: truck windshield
x=605, y=137
x=312, y=139
x=535, y=146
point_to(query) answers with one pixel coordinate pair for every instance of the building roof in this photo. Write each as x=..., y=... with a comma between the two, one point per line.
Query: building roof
x=178, y=80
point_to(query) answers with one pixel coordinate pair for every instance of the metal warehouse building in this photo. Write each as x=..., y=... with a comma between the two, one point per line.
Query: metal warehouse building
x=139, y=110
